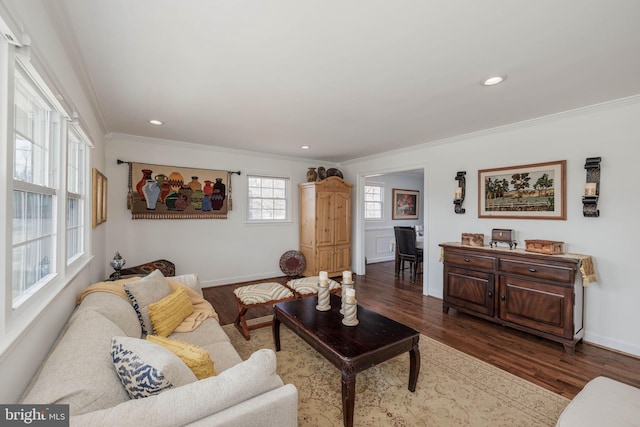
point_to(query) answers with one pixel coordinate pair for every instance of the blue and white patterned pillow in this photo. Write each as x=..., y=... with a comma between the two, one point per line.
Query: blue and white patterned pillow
x=146, y=369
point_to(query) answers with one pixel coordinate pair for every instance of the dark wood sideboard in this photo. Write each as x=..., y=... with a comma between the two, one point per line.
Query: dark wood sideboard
x=536, y=293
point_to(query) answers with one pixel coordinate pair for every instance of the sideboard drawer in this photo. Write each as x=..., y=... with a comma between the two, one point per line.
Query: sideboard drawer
x=470, y=261
x=556, y=273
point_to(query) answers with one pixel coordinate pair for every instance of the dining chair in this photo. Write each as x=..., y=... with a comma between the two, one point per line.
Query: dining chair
x=406, y=250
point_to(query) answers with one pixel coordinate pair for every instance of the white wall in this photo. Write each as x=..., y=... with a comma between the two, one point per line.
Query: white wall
x=220, y=251
x=612, y=131
x=27, y=335
x=379, y=233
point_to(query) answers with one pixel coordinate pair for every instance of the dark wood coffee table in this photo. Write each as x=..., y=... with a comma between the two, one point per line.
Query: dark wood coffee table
x=350, y=348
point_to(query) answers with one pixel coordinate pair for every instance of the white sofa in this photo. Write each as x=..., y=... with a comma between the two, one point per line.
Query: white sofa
x=79, y=371
x=603, y=402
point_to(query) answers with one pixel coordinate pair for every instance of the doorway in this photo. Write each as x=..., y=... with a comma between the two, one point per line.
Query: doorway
x=375, y=235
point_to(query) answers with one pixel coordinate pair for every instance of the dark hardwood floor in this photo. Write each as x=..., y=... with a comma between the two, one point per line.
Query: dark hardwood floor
x=535, y=359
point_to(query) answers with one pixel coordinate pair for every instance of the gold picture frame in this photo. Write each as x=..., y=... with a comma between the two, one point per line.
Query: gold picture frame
x=406, y=204
x=535, y=191
x=99, y=198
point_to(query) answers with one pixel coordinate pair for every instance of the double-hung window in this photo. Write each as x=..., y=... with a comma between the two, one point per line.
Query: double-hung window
x=49, y=177
x=268, y=199
x=76, y=172
x=373, y=201
x=36, y=138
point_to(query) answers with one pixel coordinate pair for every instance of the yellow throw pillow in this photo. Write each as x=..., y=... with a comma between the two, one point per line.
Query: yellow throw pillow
x=196, y=358
x=170, y=311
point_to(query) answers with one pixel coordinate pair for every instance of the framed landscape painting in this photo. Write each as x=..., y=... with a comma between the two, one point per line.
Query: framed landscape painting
x=405, y=204
x=536, y=191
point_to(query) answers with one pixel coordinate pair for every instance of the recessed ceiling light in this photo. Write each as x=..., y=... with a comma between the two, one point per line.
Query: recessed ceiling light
x=155, y=122
x=305, y=147
x=494, y=80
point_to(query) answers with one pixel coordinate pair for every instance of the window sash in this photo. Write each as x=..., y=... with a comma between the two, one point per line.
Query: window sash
x=268, y=199
x=373, y=202
x=37, y=135
x=76, y=200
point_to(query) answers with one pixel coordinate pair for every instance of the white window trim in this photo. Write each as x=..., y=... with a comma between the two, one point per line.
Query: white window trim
x=382, y=202
x=15, y=321
x=289, y=198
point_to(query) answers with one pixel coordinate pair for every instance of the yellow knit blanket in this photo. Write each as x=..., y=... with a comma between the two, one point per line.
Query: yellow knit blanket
x=202, y=309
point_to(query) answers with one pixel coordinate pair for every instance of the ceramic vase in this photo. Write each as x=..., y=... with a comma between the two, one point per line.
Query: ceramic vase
x=196, y=199
x=208, y=188
x=186, y=191
x=206, y=203
x=151, y=193
x=181, y=203
x=165, y=189
x=175, y=181
x=218, y=195
x=171, y=200
x=194, y=184
x=322, y=173
x=312, y=175
x=146, y=175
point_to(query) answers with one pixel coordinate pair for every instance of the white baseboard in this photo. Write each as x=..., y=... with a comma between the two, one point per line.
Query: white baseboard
x=611, y=344
x=380, y=259
x=239, y=279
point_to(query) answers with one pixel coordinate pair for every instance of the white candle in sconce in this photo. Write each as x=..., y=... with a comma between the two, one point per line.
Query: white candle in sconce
x=347, y=277
x=324, y=275
x=590, y=189
x=350, y=297
x=458, y=192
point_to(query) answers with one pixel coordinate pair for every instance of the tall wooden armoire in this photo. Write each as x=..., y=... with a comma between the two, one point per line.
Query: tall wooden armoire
x=325, y=226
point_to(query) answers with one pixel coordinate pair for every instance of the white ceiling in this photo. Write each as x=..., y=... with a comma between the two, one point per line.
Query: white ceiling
x=349, y=78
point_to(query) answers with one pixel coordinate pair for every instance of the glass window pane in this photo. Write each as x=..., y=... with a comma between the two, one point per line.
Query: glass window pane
x=373, y=201
x=37, y=135
x=267, y=198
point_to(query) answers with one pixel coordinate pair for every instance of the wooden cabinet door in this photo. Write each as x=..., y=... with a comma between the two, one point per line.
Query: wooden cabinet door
x=342, y=258
x=470, y=290
x=325, y=202
x=544, y=307
x=342, y=219
x=325, y=258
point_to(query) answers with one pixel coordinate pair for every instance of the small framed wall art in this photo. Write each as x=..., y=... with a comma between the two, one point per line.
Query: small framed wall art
x=535, y=191
x=99, y=198
x=406, y=204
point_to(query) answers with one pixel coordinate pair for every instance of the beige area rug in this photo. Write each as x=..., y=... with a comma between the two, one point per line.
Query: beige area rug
x=453, y=389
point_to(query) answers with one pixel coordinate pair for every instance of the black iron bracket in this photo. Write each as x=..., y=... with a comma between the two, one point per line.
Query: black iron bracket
x=592, y=187
x=459, y=197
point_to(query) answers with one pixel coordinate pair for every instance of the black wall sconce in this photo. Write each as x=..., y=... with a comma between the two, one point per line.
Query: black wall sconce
x=460, y=190
x=592, y=187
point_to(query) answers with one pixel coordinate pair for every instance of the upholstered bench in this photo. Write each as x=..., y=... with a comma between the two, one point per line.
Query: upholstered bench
x=251, y=296
x=603, y=402
x=308, y=286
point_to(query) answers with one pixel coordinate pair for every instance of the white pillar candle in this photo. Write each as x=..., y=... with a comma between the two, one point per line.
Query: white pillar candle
x=324, y=275
x=458, y=192
x=346, y=277
x=590, y=189
x=350, y=296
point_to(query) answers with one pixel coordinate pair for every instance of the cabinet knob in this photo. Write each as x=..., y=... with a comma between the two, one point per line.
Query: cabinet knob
x=531, y=269
x=490, y=294
x=467, y=260
x=502, y=298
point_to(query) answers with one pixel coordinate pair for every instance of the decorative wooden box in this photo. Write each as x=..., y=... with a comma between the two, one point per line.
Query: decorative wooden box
x=503, y=235
x=471, y=239
x=549, y=247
